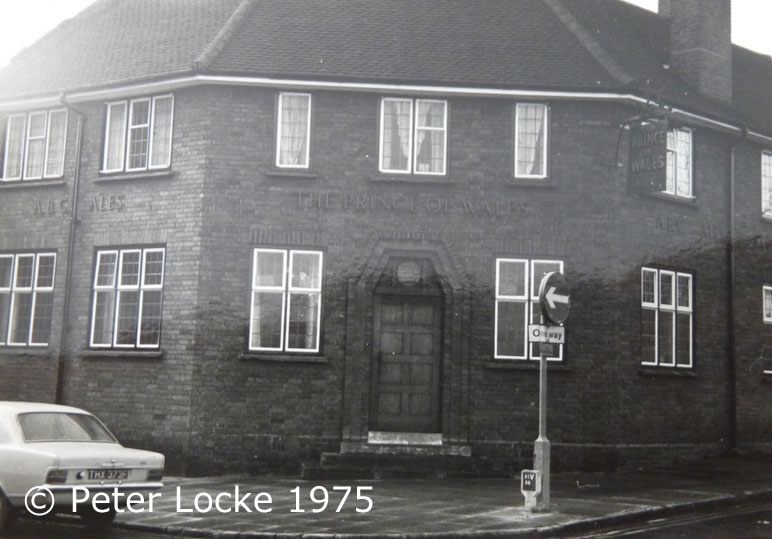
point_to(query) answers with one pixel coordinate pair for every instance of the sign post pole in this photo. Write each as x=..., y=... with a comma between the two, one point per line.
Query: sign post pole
x=541, y=453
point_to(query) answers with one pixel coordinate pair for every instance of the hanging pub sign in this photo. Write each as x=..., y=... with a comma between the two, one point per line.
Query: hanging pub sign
x=648, y=155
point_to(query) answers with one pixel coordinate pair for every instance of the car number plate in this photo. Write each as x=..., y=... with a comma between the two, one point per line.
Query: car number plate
x=111, y=474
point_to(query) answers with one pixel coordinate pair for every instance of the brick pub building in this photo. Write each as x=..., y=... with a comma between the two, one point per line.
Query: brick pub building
x=247, y=233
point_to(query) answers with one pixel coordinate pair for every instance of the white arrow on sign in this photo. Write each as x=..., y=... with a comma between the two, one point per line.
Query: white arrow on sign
x=553, y=298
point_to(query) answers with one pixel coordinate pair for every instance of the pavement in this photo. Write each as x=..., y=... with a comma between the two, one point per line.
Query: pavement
x=283, y=507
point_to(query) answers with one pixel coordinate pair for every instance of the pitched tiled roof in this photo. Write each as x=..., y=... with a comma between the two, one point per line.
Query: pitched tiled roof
x=573, y=45
x=115, y=41
x=491, y=43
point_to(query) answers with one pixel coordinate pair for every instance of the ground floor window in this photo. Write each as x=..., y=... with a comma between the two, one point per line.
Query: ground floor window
x=517, y=306
x=128, y=294
x=666, y=319
x=286, y=301
x=26, y=298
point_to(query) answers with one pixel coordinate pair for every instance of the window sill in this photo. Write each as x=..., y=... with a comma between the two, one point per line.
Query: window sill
x=23, y=184
x=526, y=365
x=24, y=352
x=532, y=182
x=675, y=372
x=386, y=177
x=282, y=358
x=767, y=217
x=139, y=175
x=291, y=173
x=690, y=202
x=767, y=376
x=129, y=353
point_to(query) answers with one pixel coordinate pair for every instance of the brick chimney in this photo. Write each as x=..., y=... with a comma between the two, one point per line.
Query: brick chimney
x=701, y=43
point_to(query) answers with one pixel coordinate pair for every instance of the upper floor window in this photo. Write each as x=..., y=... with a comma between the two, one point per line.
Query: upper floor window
x=26, y=298
x=34, y=145
x=293, y=137
x=517, y=306
x=286, y=300
x=666, y=330
x=128, y=294
x=413, y=136
x=138, y=134
x=679, y=163
x=531, y=141
x=766, y=183
x=767, y=304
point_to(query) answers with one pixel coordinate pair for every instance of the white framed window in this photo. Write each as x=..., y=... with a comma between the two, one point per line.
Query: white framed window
x=293, y=130
x=414, y=136
x=767, y=304
x=531, y=140
x=138, y=134
x=128, y=296
x=517, y=306
x=26, y=298
x=286, y=305
x=766, y=184
x=667, y=316
x=34, y=145
x=679, y=163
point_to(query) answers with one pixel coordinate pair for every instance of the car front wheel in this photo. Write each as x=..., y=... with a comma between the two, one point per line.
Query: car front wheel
x=94, y=519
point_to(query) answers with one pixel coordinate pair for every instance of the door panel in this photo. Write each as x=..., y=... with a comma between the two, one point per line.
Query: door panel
x=407, y=344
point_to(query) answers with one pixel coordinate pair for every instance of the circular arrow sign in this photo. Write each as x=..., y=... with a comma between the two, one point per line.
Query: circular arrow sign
x=554, y=297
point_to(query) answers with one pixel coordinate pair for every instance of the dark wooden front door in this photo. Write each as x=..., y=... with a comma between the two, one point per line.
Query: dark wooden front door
x=406, y=388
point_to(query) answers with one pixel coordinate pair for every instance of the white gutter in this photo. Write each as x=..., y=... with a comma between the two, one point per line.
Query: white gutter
x=167, y=85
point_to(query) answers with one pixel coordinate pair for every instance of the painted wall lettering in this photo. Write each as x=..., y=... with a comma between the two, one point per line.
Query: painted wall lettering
x=102, y=203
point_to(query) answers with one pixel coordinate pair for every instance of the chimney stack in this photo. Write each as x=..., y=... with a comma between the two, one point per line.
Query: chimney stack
x=701, y=43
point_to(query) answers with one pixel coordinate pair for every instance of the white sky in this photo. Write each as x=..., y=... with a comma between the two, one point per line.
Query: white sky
x=24, y=21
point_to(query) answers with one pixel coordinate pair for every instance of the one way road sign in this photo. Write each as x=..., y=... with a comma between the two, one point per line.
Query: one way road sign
x=554, y=297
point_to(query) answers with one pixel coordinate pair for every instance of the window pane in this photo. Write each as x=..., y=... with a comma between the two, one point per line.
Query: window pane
x=766, y=182
x=139, y=131
x=36, y=140
x=104, y=308
x=266, y=320
x=430, y=137
x=150, y=329
x=5, y=304
x=511, y=329
x=666, y=289
x=648, y=336
x=269, y=268
x=106, y=269
x=130, y=268
x=21, y=317
x=41, y=325
x=512, y=278
x=306, y=271
x=684, y=339
x=128, y=311
x=302, y=323
x=162, y=132
x=293, y=127
x=6, y=267
x=24, y=270
x=767, y=304
x=56, y=142
x=395, y=146
x=14, y=146
x=154, y=268
x=665, y=342
x=45, y=278
x=531, y=140
x=684, y=292
x=649, y=287
x=116, y=133
x=540, y=269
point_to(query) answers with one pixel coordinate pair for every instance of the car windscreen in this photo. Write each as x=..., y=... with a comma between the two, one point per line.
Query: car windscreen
x=62, y=427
